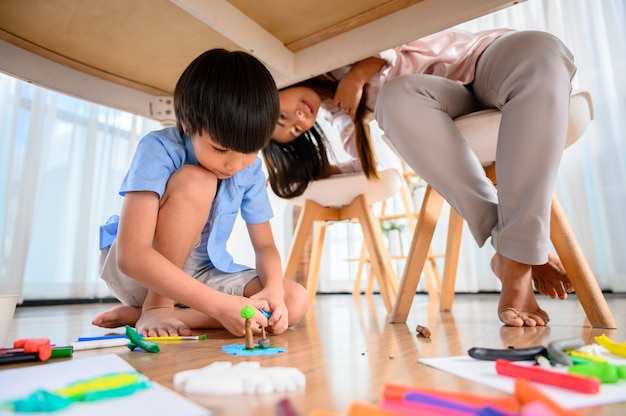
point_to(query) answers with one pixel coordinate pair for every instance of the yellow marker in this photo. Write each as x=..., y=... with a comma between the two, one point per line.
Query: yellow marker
x=176, y=338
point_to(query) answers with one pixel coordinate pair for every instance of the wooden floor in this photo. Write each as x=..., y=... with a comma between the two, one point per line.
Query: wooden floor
x=346, y=347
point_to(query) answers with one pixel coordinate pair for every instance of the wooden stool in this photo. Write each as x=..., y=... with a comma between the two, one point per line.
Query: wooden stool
x=480, y=129
x=345, y=197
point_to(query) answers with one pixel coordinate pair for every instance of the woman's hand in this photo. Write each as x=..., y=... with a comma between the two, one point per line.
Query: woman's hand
x=350, y=89
x=349, y=92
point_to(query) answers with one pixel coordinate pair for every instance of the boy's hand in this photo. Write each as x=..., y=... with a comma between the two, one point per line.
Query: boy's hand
x=279, y=321
x=160, y=322
x=234, y=323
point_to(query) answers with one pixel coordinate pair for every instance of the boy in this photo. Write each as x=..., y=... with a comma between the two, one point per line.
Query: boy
x=182, y=194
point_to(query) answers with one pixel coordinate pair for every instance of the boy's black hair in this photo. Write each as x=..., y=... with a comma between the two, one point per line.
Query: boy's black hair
x=231, y=96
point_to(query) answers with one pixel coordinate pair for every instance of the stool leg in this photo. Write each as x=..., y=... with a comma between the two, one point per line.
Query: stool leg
x=310, y=212
x=319, y=232
x=432, y=260
x=432, y=285
x=453, y=248
x=356, y=290
x=379, y=257
x=422, y=237
x=369, y=289
x=578, y=270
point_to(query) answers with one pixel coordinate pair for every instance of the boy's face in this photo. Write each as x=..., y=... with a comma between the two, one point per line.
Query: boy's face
x=223, y=162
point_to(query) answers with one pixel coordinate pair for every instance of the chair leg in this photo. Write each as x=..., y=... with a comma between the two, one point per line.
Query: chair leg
x=432, y=260
x=453, y=248
x=369, y=288
x=578, y=270
x=319, y=232
x=379, y=257
x=432, y=286
x=418, y=253
x=356, y=289
x=310, y=212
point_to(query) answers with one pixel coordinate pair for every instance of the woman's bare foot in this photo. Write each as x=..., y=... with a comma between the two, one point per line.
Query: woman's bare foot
x=550, y=278
x=118, y=316
x=517, y=306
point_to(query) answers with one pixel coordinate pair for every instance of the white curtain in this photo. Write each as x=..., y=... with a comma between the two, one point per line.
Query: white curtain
x=61, y=164
x=592, y=179
x=62, y=160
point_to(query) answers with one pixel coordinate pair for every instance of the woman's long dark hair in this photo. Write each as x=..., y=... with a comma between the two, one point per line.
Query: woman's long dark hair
x=291, y=166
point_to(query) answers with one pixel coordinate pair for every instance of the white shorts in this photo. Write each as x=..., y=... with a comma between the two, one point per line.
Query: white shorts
x=132, y=293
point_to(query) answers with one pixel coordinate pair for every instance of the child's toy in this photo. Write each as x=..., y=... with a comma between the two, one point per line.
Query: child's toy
x=248, y=312
x=98, y=388
x=41, y=346
x=240, y=349
x=617, y=348
x=138, y=342
x=222, y=377
x=557, y=350
x=249, y=348
x=264, y=342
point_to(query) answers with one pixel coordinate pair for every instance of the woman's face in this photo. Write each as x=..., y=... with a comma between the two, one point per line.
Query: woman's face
x=298, y=110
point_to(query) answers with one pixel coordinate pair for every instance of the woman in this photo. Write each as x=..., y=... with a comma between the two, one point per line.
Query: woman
x=423, y=86
x=298, y=152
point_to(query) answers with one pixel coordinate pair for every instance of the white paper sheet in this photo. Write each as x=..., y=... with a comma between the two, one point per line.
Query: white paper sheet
x=156, y=400
x=484, y=372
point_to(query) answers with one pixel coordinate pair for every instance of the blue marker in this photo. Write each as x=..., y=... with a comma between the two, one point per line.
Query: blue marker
x=100, y=338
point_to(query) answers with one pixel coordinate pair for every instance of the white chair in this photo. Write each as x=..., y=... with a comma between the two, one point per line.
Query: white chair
x=345, y=197
x=480, y=129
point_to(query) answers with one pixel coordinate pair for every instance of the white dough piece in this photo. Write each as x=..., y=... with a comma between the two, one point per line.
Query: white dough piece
x=221, y=377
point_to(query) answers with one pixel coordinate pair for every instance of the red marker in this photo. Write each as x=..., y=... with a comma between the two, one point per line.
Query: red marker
x=580, y=384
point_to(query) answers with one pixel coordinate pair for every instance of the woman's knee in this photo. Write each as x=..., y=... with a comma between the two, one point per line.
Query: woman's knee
x=543, y=53
x=410, y=86
x=397, y=96
x=412, y=97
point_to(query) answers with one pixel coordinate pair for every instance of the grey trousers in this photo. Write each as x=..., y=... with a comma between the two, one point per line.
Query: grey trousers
x=527, y=76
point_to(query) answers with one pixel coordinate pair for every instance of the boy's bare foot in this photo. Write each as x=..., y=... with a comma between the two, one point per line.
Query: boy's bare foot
x=550, y=278
x=117, y=316
x=517, y=306
x=161, y=322
x=155, y=322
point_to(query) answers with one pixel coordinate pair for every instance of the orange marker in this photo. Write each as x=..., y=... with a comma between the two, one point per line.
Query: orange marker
x=368, y=409
x=527, y=393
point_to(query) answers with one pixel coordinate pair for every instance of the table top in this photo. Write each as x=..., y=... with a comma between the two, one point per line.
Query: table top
x=129, y=54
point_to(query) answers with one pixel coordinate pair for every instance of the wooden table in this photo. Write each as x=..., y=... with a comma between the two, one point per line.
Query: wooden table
x=129, y=54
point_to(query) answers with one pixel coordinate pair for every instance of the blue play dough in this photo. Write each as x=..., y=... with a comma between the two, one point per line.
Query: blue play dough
x=240, y=349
